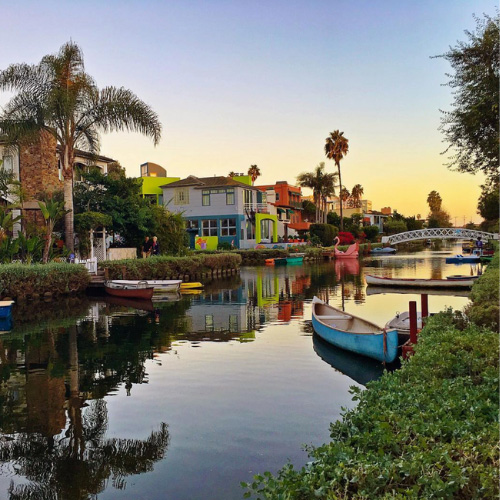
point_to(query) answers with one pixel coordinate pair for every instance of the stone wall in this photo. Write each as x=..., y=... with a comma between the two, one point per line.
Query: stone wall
x=38, y=166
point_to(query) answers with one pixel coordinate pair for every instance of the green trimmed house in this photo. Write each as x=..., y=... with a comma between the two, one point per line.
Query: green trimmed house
x=153, y=177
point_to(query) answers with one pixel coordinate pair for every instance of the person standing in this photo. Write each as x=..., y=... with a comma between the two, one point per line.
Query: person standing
x=479, y=245
x=155, y=246
x=146, y=247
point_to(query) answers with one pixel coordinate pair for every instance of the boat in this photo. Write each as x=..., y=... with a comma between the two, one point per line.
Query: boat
x=269, y=262
x=280, y=261
x=6, y=308
x=384, y=250
x=351, y=253
x=6, y=324
x=295, y=259
x=419, y=282
x=160, y=286
x=359, y=368
x=461, y=277
x=460, y=259
x=485, y=258
x=401, y=322
x=140, y=290
x=191, y=285
x=455, y=292
x=352, y=333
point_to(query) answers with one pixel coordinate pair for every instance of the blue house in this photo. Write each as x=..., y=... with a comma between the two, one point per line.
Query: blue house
x=221, y=210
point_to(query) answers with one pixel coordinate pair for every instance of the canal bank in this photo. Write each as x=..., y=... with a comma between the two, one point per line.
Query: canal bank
x=427, y=430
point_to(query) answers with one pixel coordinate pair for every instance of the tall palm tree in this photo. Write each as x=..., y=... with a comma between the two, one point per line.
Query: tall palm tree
x=344, y=195
x=57, y=97
x=254, y=172
x=336, y=147
x=327, y=191
x=356, y=194
x=314, y=181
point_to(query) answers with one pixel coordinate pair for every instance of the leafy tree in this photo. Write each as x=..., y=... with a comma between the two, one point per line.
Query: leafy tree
x=393, y=226
x=169, y=227
x=309, y=209
x=371, y=232
x=434, y=200
x=52, y=210
x=324, y=232
x=471, y=127
x=439, y=218
x=336, y=147
x=413, y=224
x=344, y=196
x=488, y=206
x=254, y=172
x=334, y=219
x=59, y=98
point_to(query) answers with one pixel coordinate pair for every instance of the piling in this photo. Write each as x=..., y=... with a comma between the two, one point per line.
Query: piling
x=413, y=321
x=425, y=305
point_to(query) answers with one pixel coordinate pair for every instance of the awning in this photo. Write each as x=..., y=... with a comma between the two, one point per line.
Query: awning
x=290, y=211
x=281, y=210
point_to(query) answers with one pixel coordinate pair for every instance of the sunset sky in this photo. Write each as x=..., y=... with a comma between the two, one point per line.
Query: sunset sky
x=260, y=82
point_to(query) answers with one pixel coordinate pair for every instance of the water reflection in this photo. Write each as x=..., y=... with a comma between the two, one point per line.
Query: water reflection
x=65, y=363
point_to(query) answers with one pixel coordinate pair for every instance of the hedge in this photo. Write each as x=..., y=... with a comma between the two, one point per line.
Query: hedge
x=166, y=267
x=427, y=430
x=21, y=280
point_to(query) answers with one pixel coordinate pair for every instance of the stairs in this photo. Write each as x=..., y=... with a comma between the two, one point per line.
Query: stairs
x=97, y=280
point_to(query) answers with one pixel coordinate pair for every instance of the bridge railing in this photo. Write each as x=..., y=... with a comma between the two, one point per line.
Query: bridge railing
x=444, y=233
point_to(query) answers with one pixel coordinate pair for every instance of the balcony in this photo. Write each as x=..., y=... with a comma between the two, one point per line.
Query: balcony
x=260, y=208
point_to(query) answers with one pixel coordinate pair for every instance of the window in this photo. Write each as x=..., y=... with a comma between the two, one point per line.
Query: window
x=206, y=198
x=209, y=322
x=144, y=170
x=277, y=197
x=209, y=227
x=230, y=197
x=192, y=224
x=228, y=227
x=233, y=323
x=248, y=196
x=250, y=231
x=8, y=163
x=181, y=196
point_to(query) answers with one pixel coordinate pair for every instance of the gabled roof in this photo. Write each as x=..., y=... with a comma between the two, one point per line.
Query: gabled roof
x=207, y=182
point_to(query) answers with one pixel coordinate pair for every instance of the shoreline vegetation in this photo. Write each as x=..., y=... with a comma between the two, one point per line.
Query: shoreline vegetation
x=427, y=430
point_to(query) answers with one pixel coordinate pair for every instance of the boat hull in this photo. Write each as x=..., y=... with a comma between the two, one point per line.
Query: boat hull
x=294, y=260
x=131, y=293
x=366, y=344
x=462, y=260
x=387, y=251
x=418, y=283
x=160, y=286
x=6, y=308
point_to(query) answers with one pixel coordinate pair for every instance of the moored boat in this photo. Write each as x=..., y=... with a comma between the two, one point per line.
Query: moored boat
x=140, y=290
x=353, y=333
x=385, y=250
x=460, y=259
x=191, y=285
x=165, y=286
x=295, y=259
x=401, y=322
x=280, y=261
x=6, y=308
x=419, y=282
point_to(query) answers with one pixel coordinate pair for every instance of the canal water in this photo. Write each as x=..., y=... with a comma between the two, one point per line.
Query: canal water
x=184, y=398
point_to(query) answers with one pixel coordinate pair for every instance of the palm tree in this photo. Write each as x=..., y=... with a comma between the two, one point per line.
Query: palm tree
x=57, y=97
x=254, y=172
x=314, y=181
x=344, y=195
x=434, y=200
x=231, y=174
x=356, y=194
x=336, y=147
x=328, y=190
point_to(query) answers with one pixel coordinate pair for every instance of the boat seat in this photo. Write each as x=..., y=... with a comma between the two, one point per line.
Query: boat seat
x=346, y=317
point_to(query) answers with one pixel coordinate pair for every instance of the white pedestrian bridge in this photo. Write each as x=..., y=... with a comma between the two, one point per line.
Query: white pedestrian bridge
x=441, y=233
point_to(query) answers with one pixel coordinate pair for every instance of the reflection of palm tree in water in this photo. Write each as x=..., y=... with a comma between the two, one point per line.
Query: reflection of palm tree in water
x=78, y=463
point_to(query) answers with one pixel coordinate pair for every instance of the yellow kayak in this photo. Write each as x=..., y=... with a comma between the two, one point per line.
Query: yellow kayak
x=191, y=285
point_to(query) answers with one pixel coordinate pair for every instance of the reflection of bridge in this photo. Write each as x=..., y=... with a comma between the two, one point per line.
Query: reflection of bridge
x=442, y=233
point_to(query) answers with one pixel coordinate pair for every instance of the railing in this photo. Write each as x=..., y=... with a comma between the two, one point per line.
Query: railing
x=438, y=233
x=90, y=264
x=256, y=207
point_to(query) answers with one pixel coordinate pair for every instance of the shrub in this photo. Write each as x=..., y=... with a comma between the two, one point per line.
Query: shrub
x=371, y=232
x=20, y=280
x=346, y=238
x=325, y=232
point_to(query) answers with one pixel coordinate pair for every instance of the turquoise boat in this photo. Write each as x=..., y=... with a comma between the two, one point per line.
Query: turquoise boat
x=295, y=260
x=354, y=334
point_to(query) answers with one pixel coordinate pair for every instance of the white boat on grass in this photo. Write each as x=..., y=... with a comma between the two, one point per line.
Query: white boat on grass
x=419, y=282
x=160, y=286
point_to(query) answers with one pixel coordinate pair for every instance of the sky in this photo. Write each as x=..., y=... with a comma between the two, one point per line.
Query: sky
x=264, y=82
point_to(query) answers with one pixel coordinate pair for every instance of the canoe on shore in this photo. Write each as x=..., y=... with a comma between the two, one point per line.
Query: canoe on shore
x=135, y=291
x=160, y=286
x=352, y=333
x=419, y=282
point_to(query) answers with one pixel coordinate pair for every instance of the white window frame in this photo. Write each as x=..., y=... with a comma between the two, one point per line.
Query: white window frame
x=208, y=228
x=228, y=227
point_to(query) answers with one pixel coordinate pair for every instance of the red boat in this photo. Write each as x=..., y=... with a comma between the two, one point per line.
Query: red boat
x=140, y=290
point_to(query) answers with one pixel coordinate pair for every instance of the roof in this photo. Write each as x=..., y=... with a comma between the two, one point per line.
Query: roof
x=206, y=182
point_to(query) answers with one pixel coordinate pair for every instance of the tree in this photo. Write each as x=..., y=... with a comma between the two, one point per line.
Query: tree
x=336, y=147
x=434, y=200
x=231, y=174
x=59, y=98
x=356, y=194
x=254, y=172
x=52, y=211
x=439, y=218
x=488, y=206
x=316, y=181
x=344, y=195
x=471, y=127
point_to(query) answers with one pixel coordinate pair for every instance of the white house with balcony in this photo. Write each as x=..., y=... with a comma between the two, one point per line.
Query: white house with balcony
x=221, y=210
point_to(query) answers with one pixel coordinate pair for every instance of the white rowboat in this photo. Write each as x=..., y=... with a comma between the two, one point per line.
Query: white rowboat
x=419, y=282
x=160, y=286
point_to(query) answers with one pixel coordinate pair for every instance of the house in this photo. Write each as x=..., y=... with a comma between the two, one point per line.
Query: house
x=221, y=210
x=288, y=202
x=375, y=218
x=153, y=177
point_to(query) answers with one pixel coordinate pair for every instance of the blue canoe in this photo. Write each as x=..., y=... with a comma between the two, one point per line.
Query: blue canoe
x=295, y=260
x=5, y=308
x=460, y=259
x=353, y=334
x=385, y=250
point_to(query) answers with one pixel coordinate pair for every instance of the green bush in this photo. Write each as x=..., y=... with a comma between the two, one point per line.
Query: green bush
x=163, y=267
x=427, y=430
x=21, y=280
x=371, y=232
x=325, y=232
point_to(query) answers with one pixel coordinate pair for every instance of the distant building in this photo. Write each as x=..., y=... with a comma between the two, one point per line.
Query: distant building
x=153, y=177
x=221, y=210
x=374, y=218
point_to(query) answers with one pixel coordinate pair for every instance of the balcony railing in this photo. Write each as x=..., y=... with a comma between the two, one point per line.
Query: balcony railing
x=256, y=207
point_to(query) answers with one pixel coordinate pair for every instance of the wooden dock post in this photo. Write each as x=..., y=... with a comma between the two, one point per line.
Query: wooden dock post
x=413, y=321
x=425, y=305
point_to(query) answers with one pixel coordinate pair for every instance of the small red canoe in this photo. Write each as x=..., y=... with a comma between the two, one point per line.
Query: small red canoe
x=140, y=290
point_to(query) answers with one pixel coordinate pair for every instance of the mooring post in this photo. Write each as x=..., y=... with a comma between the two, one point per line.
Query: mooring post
x=413, y=321
x=425, y=305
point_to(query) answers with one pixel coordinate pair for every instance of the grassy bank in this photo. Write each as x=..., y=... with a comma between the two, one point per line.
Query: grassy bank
x=171, y=267
x=428, y=430
x=22, y=281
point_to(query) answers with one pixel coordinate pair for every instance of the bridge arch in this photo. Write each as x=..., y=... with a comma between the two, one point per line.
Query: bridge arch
x=442, y=233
